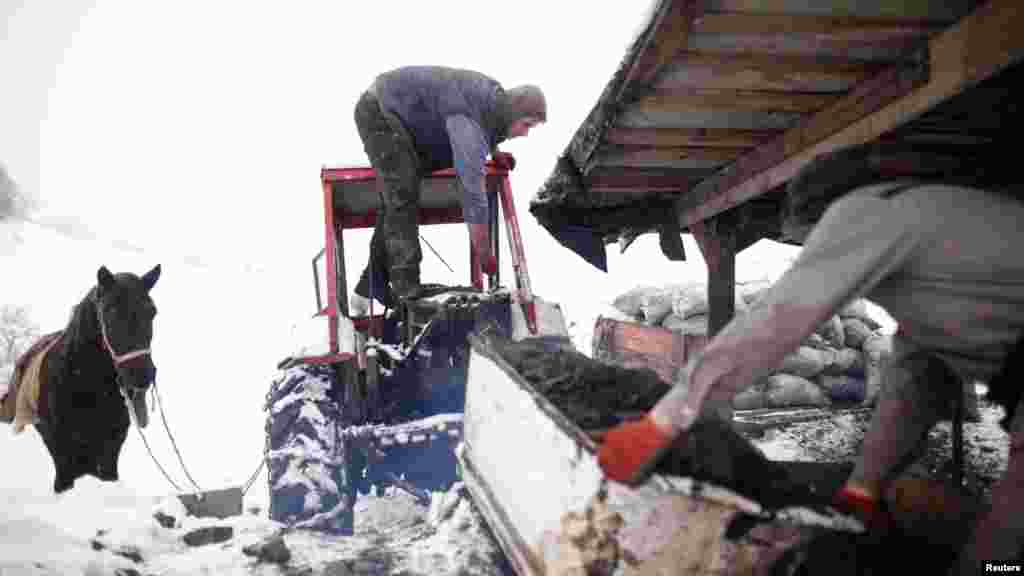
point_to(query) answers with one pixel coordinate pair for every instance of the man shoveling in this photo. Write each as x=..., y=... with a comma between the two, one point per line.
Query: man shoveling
x=943, y=260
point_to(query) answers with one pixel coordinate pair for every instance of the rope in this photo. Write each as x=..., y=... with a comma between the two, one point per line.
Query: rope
x=248, y=483
x=157, y=462
x=174, y=444
x=159, y=402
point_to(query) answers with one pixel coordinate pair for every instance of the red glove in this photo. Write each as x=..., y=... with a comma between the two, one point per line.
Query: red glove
x=504, y=160
x=863, y=507
x=630, y=450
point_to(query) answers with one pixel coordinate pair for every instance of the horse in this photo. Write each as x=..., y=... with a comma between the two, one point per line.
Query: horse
x=92, y=378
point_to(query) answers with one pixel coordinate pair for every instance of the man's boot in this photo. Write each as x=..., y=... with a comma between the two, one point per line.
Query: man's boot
x=405, y=282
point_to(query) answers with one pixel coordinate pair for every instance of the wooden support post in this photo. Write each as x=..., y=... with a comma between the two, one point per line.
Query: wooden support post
x=717, y=242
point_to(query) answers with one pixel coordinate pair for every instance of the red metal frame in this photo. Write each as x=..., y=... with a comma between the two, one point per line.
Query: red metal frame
x=524, y=293
x=335, y=225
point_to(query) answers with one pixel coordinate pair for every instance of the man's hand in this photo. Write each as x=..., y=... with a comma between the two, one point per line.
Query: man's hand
x=630, y=450
x=504, y=160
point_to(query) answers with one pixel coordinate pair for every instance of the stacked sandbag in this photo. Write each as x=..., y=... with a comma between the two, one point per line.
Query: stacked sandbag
x=689, y=313
x=841, y=362
x=650, y=304
x=844, y=358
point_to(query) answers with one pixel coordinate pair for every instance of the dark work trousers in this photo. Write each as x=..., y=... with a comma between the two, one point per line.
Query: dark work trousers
x=396, y=234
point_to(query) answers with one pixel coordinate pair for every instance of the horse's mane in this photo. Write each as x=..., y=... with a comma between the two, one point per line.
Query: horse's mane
x=82, y=325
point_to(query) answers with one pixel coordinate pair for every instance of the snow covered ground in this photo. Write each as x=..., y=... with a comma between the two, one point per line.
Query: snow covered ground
x=107, y=531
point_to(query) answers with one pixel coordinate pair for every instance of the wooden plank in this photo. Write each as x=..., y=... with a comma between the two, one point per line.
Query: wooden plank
x=813, y=45
x=757, y=100
x=747, y=71
x=642, y=180
x=867, y=29
x=668, y=36
x=708, y=137
x=776, y=64
x=976, y=48
x=913, y=10
x=641, y=155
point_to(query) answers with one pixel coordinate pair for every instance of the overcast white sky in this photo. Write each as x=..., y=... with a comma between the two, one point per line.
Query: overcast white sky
x=192, y=133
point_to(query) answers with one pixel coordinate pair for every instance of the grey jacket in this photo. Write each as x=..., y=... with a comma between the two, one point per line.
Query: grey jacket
x=453, y=118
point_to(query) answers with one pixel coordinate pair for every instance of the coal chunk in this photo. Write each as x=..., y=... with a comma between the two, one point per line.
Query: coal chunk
x=165, y=520
x=271, y=550
x=208, y=535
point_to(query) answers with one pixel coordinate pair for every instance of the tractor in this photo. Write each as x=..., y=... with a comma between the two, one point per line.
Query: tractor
x=375, y=399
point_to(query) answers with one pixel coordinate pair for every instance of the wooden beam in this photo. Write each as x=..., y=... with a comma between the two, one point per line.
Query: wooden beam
x=976, y=48
x=756, y=100
x=747, y=71
x=717, y=243
x=868, y=29
x=867, y=97
x=708, y=137
x=668, y=35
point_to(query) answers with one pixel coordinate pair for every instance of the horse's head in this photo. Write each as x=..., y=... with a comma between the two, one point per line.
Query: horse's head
x=125, y=313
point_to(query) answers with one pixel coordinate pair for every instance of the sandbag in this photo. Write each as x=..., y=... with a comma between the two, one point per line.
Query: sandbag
x=785, y=390
x=693, y=301
x=752, y=398
x=847, y=361
x=751, y=293
x=877, y=351
x=843, y=387
x=817, y=342
x=832, y=331
x=856, y=331
x=692, y=325
x=877, y=348
x=629, y=303
x=855, y=309
x=656, y=304
x=806, y=362
x=859, y=309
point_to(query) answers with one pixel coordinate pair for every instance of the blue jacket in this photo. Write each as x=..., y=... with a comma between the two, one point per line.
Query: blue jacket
x=453, y=118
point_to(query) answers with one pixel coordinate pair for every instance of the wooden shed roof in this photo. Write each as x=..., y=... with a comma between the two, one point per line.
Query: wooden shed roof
x=718, y=103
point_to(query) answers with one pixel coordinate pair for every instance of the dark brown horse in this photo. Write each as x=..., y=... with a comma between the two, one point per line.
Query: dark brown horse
x=94, y=370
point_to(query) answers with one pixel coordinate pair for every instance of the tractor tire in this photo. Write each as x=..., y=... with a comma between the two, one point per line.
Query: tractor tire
x=308, y=458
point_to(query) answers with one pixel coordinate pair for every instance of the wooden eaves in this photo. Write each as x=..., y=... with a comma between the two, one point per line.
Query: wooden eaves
x=720, y=102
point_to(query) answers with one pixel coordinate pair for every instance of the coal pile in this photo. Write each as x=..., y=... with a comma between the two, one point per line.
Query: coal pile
x=597, y=395
x=591, y=393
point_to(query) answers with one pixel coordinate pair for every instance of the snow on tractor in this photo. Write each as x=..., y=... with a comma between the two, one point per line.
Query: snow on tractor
x=377, y=399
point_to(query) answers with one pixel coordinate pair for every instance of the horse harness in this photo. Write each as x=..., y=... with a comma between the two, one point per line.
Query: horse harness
x=127, y=390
